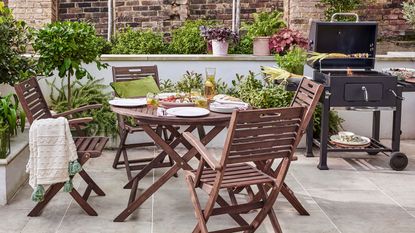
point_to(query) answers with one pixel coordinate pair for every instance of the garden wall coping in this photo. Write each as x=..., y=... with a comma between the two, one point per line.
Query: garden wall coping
x=392, y=56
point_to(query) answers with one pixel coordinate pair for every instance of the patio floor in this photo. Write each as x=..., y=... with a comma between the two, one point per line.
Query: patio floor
x=356, y=195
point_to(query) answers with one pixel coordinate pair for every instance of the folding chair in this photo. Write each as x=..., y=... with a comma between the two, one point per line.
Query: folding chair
x=259, y=136
x=307, y=95
x=121, y=74
x=35, y=107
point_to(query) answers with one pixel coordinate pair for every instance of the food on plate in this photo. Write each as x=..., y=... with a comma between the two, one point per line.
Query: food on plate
x=222, y=97
x=401, y=73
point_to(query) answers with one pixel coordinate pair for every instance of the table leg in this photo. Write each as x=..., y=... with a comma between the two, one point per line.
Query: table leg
x=157, y=159
x=166, y=176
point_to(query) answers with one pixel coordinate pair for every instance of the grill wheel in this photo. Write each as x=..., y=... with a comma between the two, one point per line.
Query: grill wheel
x=398, y=161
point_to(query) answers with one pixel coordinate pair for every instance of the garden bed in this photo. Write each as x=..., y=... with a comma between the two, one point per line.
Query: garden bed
x=13, y=168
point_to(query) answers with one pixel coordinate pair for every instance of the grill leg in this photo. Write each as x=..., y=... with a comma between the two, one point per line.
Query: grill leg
x=396, y=129
x=309, y=139
x=324, y=133
x=376, y=125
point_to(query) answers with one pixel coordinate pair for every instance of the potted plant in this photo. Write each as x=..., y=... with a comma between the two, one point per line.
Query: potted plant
x=67, y=47
x=220, y=38
x=264, y=25
x=11, y=117
x=285, y=40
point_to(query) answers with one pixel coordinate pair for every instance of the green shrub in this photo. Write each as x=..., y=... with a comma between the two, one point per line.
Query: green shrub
x=191, y=80
x=91, y=92
x=337, y=6
x=187, y=39
x=409, y=12
x=66, y=46
x=131, y=41
x=14, y=37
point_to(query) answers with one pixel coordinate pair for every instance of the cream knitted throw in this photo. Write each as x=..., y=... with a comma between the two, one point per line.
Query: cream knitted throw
x=52, y=150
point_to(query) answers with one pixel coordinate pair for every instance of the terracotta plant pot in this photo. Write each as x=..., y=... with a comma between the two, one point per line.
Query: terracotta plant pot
x=220, y=48
x=261, y=46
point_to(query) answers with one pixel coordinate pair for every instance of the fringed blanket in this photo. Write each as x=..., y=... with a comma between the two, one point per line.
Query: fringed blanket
x=53, y=156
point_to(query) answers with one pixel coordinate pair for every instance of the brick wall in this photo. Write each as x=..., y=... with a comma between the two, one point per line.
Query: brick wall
x=161, y=15
x=35, y=12
x=94, y=11
x=389, y=15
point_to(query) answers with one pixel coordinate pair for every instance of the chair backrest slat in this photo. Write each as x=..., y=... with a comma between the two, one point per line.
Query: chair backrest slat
x=121, y=74
x=32, y=100
x=307, y=95
x=260, y=135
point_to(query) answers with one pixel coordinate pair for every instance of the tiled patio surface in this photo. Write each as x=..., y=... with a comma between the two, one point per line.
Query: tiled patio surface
x=364, y=197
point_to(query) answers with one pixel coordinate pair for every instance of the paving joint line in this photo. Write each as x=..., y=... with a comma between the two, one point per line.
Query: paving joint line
x=325, y=214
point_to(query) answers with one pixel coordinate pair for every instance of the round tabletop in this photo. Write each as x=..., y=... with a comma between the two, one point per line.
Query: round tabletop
x=149, y=116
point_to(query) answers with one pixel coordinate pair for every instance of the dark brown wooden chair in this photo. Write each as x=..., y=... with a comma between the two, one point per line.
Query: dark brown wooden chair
x=121, y=74
x=35, y=107
x=307, y=95
x=258, y=136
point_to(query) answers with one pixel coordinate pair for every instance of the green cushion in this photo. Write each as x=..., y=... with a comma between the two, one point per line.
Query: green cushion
x=135, y=88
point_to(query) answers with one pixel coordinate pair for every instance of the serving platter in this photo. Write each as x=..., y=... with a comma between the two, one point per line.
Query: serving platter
x=363, y=142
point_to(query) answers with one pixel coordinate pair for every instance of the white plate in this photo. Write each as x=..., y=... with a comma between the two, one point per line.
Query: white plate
x=188, y=112
x=128, y=102
x=364, y=141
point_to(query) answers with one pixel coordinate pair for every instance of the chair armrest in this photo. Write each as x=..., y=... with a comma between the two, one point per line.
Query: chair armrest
x=211, y=160
x=78, y=121
x=77, y=110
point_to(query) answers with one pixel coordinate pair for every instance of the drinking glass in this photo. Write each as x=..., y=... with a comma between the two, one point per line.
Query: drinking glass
x=195, y=92
x=152, y=100
x=201, y=102
x=210, y=83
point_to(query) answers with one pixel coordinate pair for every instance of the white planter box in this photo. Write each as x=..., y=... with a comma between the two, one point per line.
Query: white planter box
x=13, y=168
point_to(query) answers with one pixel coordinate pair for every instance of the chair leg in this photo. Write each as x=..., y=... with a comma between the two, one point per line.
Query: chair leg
x=272, y=216
x=91, y=183
x=123, y=138
x=196, y=204
x=126, y=163
x=289, y=195
x=82, y=203
x=50, y=193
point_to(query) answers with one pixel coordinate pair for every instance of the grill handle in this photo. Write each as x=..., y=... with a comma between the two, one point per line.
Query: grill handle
x=396, y=95
x=366, y=95
x=333, y=17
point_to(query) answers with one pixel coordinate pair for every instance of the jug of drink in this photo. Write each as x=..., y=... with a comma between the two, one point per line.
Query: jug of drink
x=210, y=83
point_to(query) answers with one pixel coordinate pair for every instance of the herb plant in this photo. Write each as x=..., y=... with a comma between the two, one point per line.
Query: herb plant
x=219, y=34
x=187, y=40
x=265, y=24
x=337, y=6
x=285, y=39
x=131, y=41
x=409, y=12
x=15, y=36
x=66, y=46
x=11, y=115
x=293, y=61
x=91, y=92
x=191, y=80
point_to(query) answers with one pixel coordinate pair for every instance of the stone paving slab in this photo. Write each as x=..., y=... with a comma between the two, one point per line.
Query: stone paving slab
x=342, y=199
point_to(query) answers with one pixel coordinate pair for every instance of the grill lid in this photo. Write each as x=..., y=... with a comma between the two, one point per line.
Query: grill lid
x=347, y=38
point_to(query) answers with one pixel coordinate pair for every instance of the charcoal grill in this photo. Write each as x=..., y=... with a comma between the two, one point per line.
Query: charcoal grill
x=351, y=84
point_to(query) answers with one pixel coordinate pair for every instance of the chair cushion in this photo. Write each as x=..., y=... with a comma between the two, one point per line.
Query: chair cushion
x=135, y=88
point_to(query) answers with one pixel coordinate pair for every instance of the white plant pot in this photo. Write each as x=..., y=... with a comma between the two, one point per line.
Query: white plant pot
x=220, y=48
x=261, y=46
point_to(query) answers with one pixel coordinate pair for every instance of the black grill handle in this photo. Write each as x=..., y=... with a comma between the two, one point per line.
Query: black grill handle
x=333, y=17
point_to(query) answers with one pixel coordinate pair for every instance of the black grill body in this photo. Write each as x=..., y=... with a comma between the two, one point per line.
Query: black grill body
x=357, y=88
